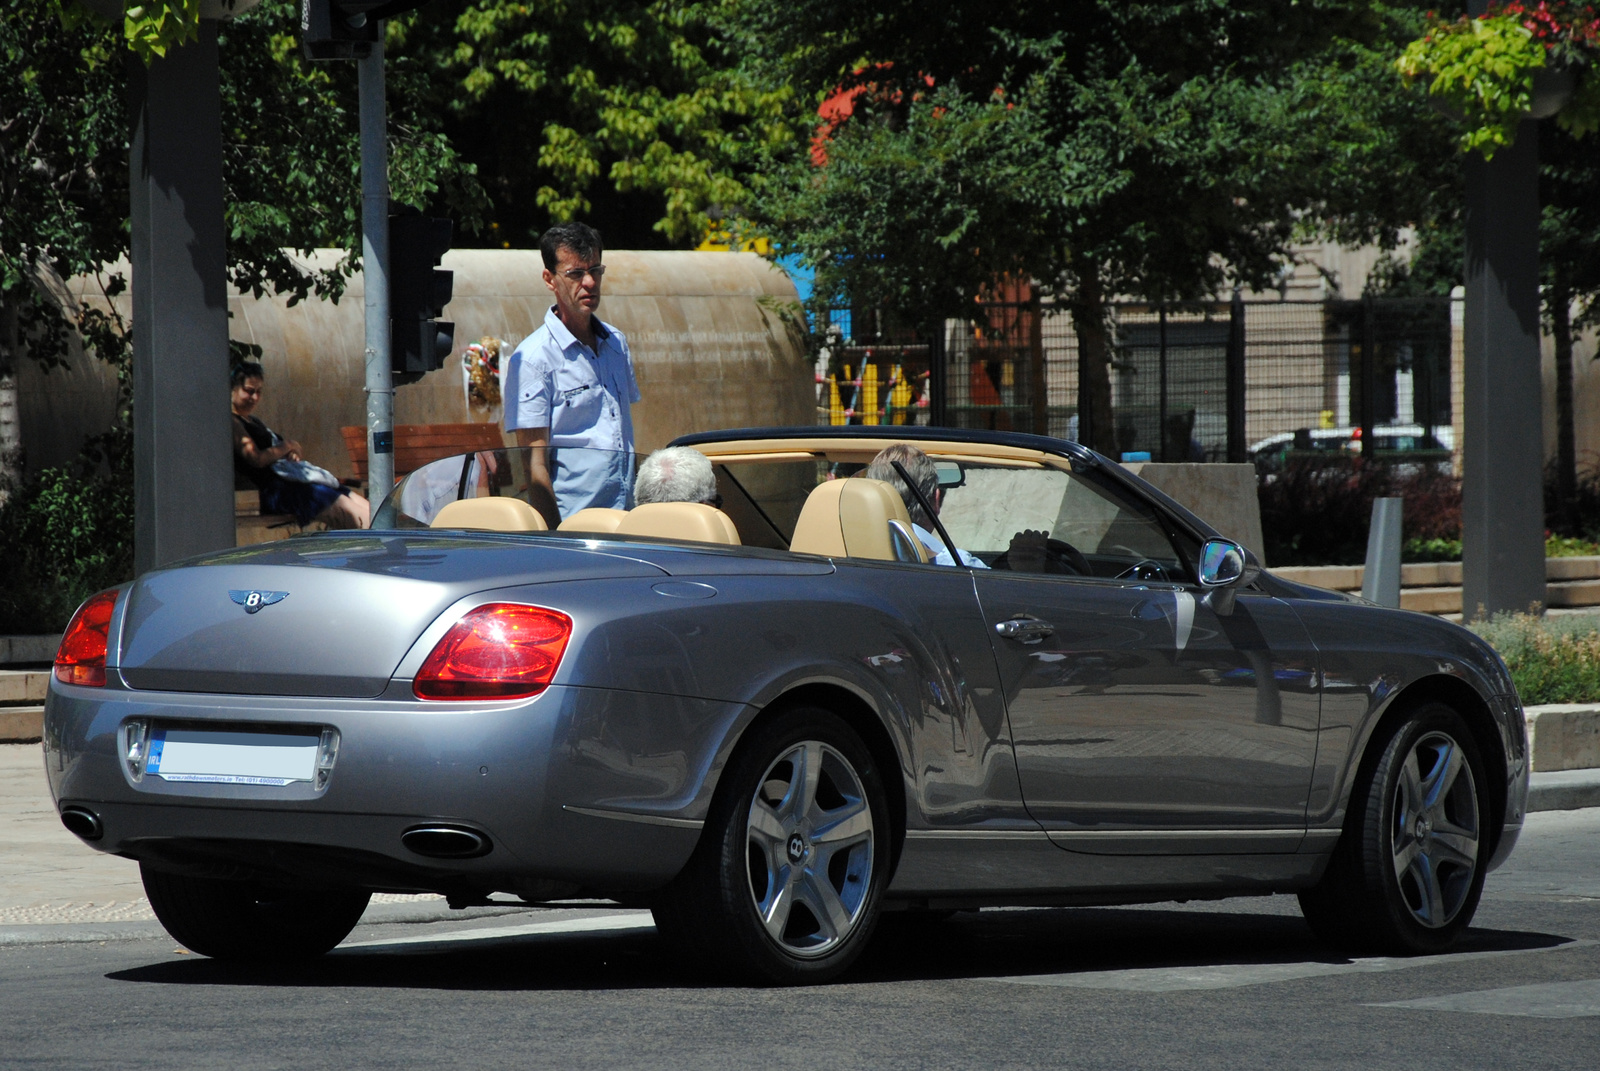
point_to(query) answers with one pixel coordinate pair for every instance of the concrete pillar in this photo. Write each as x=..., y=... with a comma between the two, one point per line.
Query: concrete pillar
x=1502, y=506
x=183, y=459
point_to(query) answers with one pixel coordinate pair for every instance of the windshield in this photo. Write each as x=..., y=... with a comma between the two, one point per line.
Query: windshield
x=987, y=507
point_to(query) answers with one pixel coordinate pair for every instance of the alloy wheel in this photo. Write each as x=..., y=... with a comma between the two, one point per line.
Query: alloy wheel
x=811, y=848
x=1435, y=830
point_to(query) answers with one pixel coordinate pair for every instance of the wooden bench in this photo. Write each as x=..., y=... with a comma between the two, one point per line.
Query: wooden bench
x=416, y=445
x=251, y=526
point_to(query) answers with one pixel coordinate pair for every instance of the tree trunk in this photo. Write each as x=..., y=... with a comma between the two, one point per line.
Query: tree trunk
x=1089, y=315
x=1566, y=435
x=10, y=419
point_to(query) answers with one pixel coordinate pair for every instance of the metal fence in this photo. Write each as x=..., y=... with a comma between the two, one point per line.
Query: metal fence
x=1194, y=382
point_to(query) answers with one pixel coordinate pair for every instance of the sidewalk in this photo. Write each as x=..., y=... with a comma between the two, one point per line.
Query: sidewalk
x=46, y=873
x=53, y=887
x=48, y=876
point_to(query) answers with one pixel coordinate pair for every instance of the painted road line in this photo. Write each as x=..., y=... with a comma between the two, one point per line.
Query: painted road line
x=630, y=922
x=1237, y=975
x=1547, y=1000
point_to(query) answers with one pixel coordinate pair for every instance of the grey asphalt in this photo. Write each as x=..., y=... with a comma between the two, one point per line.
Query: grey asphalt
x=1232, y=984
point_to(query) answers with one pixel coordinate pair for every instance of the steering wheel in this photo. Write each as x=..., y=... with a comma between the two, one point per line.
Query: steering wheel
x=1144, y=569
x=1051, y=556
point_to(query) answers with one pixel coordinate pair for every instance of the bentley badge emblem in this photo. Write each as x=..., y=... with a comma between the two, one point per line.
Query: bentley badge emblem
x=255, y=600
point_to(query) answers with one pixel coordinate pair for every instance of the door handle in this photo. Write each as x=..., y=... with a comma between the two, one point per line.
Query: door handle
x=1025, y=629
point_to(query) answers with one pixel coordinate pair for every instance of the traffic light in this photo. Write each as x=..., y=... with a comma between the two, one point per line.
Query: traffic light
x=345, y=29
x=418, y=292
x=338, y=29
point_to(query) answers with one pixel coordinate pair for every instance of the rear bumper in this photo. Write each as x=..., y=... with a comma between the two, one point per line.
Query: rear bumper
x=597, y=789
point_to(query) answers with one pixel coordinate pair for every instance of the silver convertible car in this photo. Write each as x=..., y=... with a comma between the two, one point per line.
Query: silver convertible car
x=774, y=721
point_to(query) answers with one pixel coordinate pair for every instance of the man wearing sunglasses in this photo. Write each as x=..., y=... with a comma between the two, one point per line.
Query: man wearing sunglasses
x=569, y=387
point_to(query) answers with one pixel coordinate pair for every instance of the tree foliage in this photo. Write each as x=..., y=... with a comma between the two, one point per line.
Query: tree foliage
x=1101, y=148
x=631, y=113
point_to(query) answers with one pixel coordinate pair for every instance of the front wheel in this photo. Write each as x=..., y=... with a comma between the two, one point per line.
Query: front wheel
x=786, y=883
x=1409, y=868
x=244, y=921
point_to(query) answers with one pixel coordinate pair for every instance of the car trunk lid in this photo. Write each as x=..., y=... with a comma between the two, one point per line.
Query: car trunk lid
x=323, y=616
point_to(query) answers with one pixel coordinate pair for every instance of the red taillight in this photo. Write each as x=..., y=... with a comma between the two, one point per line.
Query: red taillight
x=500, y=651
x=81, y=658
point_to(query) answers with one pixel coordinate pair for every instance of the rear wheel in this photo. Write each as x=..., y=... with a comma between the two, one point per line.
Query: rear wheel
x=1408, y=871
x=236, y=920
x=786, y=882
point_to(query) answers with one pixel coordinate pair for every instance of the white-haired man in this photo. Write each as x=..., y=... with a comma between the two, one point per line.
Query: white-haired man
x=676, y=474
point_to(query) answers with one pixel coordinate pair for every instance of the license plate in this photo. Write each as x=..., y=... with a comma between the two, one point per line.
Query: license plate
x=232, y=758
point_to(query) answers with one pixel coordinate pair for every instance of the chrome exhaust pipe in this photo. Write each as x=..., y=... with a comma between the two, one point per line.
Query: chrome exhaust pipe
x=82, y=822
x=446, y=842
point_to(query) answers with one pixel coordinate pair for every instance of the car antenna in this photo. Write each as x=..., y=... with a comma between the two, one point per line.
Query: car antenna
x=927, y=507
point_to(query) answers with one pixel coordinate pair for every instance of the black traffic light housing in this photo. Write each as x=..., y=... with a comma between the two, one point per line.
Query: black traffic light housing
x=419, y=341
x=345, y=29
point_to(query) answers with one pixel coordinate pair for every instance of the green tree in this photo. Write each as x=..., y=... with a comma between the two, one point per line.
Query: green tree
x=291, y=184
x=1101, y=148
x=1569, y=254
x=63, y=182
x=631, y=113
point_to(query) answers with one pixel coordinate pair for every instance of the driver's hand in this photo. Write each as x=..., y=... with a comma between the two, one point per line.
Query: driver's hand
x=1027, y=553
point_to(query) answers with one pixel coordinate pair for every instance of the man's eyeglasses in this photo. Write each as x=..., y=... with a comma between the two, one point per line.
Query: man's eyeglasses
x=577, y=274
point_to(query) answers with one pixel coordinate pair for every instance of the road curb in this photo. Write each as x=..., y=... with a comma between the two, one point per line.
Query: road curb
x=1564, y=790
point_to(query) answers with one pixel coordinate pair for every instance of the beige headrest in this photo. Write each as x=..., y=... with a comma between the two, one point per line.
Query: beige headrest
x=680, y=520
x=493, y=514
x=856, y=518
x=593, y=519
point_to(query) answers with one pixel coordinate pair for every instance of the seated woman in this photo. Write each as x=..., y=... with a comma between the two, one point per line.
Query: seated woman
x=257, y=448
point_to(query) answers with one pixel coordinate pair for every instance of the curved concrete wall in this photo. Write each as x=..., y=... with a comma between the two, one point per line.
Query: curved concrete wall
x=712, y=346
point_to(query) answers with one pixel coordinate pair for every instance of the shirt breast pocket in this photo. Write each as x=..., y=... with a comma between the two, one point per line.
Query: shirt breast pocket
x=579, y=405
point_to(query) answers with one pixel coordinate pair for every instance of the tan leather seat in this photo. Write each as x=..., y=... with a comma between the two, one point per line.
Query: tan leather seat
x=857, y=518
x=492, y=514
x=594, y=519
x=680, y=520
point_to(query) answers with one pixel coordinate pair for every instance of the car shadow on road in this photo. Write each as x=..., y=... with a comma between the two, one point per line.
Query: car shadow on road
x=908, y=947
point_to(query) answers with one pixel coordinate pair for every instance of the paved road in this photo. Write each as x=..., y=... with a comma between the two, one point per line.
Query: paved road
x=1236, y=984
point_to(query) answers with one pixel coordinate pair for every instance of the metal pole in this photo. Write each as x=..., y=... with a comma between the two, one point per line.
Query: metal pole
x=938, y=377
x=1369, y=377
x=1502, y=460
x=1161, y=429
x=375, y=273
x=1380, y=582
x=1237, y=449
x=182, y=452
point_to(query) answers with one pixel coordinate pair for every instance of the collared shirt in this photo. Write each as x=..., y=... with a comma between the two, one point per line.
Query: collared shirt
x=941, y=553
x=584, y=397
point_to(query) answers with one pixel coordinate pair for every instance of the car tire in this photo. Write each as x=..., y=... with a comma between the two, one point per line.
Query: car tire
x=1408, y=870
x=248, y=922
x=785, y=884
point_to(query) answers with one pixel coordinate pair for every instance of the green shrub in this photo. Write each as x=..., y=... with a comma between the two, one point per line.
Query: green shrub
x=64, y=535
x=1431, y=550
x=1556, y=546
x=1552, y=659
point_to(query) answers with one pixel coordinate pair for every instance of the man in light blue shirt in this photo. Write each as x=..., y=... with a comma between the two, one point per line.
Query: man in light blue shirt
x=569, y=387
x=920, y=468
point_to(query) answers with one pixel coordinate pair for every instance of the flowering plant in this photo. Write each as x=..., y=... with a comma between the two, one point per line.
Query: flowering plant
x=1483, y=69
x=481, y=364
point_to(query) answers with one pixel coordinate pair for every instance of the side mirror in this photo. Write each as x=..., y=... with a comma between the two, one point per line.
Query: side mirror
x=1225, y=567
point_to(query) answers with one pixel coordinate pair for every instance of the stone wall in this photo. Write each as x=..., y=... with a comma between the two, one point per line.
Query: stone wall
x=711, y=336
x=1224, y=496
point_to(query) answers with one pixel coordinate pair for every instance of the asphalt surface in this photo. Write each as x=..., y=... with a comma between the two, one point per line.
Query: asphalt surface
x=1234, y=984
